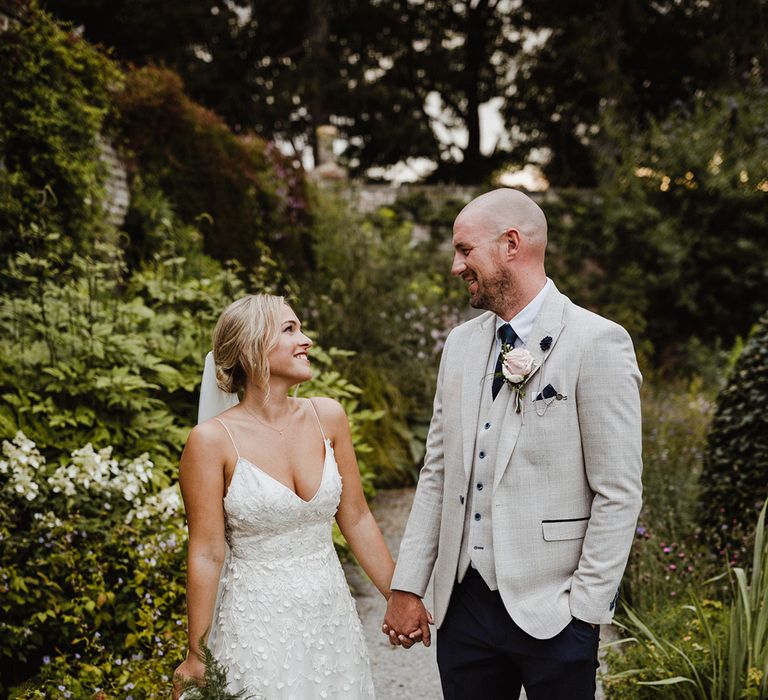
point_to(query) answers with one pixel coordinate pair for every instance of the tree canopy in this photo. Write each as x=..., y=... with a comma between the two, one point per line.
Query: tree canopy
x=407, y=79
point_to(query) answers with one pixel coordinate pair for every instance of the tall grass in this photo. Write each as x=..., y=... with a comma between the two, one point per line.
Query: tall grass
x=728, y=659
x=665, y=560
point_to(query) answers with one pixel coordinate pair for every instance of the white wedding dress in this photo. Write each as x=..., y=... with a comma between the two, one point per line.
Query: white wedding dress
x=285, y=625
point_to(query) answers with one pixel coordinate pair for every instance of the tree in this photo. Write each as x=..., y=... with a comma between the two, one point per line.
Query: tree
x=604, y=69
x=468, y=53
x=351, y=63
x=675, y=245
x=367, y=66
x=389, y=74
x=187, y=36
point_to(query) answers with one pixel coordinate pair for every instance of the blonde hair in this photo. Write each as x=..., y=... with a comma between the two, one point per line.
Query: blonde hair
x=246, y=332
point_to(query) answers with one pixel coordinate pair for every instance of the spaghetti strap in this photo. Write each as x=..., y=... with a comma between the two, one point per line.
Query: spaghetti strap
x=237, y=452
x=319, y=424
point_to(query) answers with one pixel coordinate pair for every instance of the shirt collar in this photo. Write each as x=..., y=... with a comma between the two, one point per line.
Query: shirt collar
x=522, y=322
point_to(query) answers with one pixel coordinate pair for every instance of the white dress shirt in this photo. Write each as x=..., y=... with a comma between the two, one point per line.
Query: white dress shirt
x=522, y=323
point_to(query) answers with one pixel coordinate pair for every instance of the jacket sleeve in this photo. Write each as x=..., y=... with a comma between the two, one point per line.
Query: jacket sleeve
x=608, y=404
x=418, y=548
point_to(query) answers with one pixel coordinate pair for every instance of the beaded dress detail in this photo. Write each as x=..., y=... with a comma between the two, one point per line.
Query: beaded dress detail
x=286, y=626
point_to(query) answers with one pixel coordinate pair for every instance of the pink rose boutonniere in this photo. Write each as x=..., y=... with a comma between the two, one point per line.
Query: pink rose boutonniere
x=516, y=366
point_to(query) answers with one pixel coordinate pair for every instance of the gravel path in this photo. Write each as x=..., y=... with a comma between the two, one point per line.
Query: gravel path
x=397, y=673
x=400, y=673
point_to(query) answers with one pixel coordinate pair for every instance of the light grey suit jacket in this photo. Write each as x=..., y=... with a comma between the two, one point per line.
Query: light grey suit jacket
x=566, y=490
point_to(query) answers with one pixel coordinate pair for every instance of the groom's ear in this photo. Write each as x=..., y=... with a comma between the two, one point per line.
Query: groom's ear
x=511, y=238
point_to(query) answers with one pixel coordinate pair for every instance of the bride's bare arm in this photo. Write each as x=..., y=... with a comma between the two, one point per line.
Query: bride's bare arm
x=201, y=476
x=355, y=519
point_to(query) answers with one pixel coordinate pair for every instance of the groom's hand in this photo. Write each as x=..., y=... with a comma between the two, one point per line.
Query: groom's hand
x=405, y=611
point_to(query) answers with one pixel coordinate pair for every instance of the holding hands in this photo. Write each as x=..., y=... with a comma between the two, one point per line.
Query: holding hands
x=406, y=621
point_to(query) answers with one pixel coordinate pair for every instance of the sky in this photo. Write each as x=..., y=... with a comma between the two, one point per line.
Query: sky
x=492, y=134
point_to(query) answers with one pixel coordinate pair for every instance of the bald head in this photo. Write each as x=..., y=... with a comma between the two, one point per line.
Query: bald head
x=503, y=209
x=499, y=240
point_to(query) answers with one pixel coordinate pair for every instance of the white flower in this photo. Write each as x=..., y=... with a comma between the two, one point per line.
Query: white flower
x=21, y=466
x=89, y=471
x=516, y=365
x=161, y=506
x=132, y=477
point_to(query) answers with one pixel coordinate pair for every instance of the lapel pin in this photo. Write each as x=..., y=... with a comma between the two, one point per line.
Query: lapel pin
x=545, y=343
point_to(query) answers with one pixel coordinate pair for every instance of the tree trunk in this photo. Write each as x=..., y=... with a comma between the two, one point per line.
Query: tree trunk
x=317, y=62
x=475, y=56
x=613, y=91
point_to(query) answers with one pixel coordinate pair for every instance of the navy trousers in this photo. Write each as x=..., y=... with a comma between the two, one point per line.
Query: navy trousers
x=483, y=654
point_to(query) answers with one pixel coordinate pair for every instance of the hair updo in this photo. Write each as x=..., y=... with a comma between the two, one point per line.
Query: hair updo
x=246, y=332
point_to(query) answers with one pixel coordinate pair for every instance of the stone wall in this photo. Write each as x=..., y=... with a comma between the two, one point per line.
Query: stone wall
x=117, y=195
x=371, y=197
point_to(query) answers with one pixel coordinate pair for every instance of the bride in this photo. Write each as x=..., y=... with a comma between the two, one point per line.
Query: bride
x=262, y=482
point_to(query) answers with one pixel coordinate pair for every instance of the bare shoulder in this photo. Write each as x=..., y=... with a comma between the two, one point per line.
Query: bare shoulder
x=202, y=476
x=206, y=450
x=207, y=435
x=331, y=413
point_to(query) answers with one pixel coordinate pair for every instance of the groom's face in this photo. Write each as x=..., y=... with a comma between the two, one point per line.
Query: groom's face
x=478, y=261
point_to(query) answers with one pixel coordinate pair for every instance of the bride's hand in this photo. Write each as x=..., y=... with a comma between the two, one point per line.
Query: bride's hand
x=191, y=668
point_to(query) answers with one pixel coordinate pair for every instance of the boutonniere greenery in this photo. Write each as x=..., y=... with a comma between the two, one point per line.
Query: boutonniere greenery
x=516, y=366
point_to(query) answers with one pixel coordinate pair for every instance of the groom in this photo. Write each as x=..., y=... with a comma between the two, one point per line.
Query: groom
x=527, y=502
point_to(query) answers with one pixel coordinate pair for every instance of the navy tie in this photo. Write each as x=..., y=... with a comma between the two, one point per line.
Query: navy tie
x=508, y=337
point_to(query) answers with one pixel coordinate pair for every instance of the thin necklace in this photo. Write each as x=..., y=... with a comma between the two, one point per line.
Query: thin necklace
x=280, y=431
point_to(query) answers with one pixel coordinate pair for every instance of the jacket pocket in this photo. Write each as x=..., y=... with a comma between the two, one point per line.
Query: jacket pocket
x=573, y=529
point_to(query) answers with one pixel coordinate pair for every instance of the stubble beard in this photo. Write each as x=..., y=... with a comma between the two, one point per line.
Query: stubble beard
x=495, y=294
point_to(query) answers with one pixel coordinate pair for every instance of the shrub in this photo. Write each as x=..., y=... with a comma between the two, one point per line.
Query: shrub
x=91, y=555
x=93, y=354
x=735, y=477
x=666, y=561
x=673, y=244
x=723, y=652
x=376, y=292
x=53, y=104
x=238, y=190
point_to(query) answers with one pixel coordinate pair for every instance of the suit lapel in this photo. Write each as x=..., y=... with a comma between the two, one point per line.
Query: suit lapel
x=475, y=359
x=549, y=322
